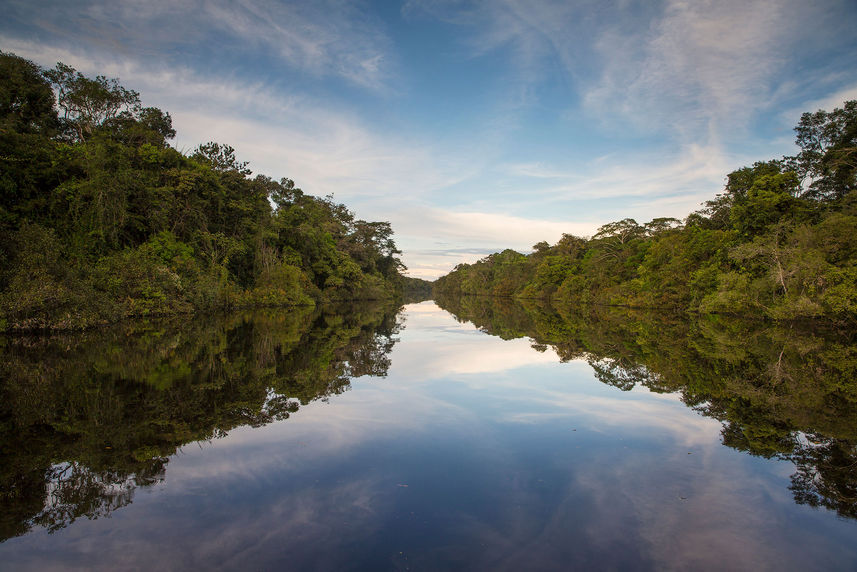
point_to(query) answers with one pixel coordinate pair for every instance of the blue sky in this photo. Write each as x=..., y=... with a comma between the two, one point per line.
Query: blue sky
x=471, y=126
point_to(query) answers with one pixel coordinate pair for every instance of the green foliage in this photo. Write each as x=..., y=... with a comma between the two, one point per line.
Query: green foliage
x=42, y=291
x=144, y=281
x=827, y=162
x=777, y=243
x=89, y=103
x=416, y=289
x=769, y=200
x=138, y=228
x=26, y=97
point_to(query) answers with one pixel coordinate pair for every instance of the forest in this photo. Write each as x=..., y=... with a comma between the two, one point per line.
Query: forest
x=777, y=243
x=101, y=219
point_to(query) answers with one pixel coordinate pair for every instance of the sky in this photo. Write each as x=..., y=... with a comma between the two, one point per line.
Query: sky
x=471, y=126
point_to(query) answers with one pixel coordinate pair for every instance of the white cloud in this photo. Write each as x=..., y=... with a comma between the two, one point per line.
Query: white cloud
x=326, y=150
x=827, y=103
x=431, y=237
x=332, y=38
x=699, y=63
x=692, y=71
x=642, y=185
x=695, y=74
x=476, y=354
x=643, y=174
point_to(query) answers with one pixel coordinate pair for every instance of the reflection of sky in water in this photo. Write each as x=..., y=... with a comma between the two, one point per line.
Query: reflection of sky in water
x=473, y=453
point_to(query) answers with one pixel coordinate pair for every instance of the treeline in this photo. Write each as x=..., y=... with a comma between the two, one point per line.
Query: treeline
x=101, y=219
x=416, y=289
x=780, y=392
x=779, y=242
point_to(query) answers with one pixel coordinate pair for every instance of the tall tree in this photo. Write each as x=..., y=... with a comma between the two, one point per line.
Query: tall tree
x=827, y=161
x=87, y=103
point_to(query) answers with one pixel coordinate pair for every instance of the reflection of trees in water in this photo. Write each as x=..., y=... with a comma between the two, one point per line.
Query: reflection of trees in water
x=619, y=372
x=87, y=418
x=826, y=474
x=73, y=490
x=780, y=392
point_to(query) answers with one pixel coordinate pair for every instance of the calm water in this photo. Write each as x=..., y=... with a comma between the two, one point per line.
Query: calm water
x=486, y=437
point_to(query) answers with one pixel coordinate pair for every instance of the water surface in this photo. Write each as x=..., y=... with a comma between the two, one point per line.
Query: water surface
x=492, y=436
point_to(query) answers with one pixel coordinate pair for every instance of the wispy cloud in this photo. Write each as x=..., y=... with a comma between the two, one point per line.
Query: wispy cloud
x=325, y=149
x=700, y=67
x=827, y=103
x=586, y=111
x=430, y=236
x=333, y=38
x=691, y=76
x=693, y=174
x=693, y=72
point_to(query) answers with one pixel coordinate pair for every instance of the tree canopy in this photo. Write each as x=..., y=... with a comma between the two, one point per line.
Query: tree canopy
x=101, y=218
x=778, y=242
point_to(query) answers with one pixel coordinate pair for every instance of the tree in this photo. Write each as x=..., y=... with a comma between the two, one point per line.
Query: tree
x=221, y=158
x=26, y=97
x=87, y=103
x=827, y=162
x=148, y=125
x=541, y=247
x=28, y=163
x=620, y=231
x=739, y=182
x=716, y=213
x=659, y=225
x=372, y=246
x=770, y=198
x=158, y=121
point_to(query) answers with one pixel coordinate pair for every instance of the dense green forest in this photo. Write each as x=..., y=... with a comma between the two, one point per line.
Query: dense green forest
x=100, y=218
x=780, y=391
x=779, y=242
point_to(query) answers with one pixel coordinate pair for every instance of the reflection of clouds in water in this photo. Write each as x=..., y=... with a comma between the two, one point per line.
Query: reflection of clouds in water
x=473, y=357
x=294, y=525
x=304, y=528
x=687, y=513
x=400, y=404
x=634, y=410
x=406, y=403
x=432, y=354
x=323, y=429
x=496, y=478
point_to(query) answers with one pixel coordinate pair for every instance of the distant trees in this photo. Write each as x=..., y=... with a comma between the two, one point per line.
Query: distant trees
x=778, y=242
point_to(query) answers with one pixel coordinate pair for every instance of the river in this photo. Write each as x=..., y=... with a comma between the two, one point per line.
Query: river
x=484, y=436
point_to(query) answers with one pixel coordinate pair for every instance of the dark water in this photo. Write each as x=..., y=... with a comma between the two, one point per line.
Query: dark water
x=494, y=437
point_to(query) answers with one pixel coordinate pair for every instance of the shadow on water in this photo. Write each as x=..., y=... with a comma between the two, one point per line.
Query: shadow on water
x=785, y=392
x=87, y=418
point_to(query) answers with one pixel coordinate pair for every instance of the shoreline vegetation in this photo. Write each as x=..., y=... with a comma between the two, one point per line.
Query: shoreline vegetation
x=101, y=219
x=779, y=243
